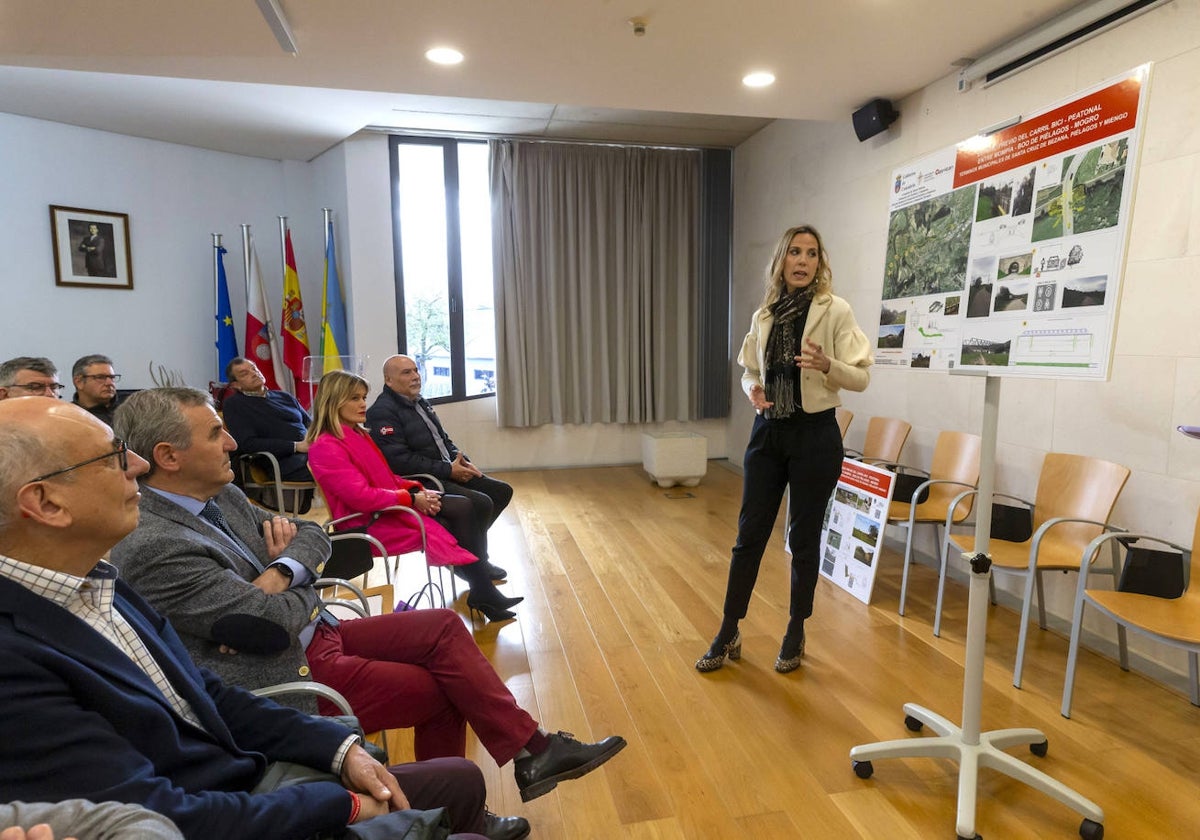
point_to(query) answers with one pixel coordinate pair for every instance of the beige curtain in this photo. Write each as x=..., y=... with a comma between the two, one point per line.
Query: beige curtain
x=596, y=251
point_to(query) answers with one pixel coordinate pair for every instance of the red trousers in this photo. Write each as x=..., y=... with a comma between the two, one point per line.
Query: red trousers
x=420, y=669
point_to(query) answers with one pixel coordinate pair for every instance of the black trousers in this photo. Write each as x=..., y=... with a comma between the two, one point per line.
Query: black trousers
x=455, y=784
x=469, y=509
x=802, y=453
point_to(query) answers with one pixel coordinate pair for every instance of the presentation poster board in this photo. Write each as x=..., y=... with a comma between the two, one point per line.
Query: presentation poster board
x=852, y=536
x=1005, y=253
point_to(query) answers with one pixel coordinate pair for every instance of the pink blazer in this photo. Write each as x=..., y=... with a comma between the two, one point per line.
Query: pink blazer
x=355, y=478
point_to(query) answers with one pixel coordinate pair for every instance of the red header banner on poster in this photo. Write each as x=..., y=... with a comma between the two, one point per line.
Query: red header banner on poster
x=1104, y=113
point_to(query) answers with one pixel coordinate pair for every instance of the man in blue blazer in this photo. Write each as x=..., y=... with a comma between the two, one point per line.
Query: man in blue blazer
x=101, y=699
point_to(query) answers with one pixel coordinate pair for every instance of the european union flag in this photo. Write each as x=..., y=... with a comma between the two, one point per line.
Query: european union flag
x=226, y=338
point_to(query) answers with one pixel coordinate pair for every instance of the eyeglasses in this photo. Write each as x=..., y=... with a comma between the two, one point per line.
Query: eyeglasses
x=121, y=451
x=39, y=387
x=103, y=377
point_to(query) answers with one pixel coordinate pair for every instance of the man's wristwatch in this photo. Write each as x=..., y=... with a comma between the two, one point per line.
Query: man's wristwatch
x=284, y=570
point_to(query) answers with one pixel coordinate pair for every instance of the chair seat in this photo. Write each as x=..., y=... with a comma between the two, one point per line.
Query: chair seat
x=1177, y=618
x=1054, y=553
x=933, y=509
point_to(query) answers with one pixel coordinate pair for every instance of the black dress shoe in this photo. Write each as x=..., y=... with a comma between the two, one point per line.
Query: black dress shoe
x=504, y=828
x=565, y=758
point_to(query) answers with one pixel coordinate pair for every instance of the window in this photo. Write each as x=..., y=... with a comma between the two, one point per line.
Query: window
x=442, y=239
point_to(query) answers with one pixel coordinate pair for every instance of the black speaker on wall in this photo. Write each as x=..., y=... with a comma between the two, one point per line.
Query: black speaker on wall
x=873, y=118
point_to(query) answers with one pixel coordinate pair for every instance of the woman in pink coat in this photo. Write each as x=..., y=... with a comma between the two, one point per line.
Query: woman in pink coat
x=355, y=478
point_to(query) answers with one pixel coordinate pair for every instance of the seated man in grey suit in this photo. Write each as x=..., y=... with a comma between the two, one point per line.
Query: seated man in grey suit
x=218, y=567
x=102, y=702
x=406, y=429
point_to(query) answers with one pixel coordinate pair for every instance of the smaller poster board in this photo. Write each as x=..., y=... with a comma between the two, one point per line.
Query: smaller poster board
x=852, y=536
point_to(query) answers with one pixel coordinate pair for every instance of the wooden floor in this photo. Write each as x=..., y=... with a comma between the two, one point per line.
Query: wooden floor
x=623, y=584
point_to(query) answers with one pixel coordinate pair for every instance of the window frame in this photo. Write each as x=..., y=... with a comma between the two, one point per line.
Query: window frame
x=454, y=289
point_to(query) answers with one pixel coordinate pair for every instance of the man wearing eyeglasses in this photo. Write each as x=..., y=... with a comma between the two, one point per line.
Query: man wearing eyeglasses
x=96, y=386
x=29, y=376
x=101, y=700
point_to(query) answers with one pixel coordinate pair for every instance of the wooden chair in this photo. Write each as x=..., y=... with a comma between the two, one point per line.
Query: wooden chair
x=844, y=417
x=885, y=438
x=955, y=467
x=260, y=471
x=1075, y=496
x=1172, y=621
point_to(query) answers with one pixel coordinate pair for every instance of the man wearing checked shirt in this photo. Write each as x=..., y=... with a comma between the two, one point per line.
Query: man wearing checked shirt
x=101, y=699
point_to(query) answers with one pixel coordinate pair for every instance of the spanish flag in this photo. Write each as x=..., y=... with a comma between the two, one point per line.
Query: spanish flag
x=295, y=333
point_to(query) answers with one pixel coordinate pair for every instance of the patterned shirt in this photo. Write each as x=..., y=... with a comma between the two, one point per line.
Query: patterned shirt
x=90, y=599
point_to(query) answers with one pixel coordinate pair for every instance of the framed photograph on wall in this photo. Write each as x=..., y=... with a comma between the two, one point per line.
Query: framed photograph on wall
x=91, y=248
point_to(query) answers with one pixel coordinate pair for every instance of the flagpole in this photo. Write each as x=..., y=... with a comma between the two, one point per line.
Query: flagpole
x=283, y=249
x=327, y=214
x=216, y=241
x=246, y=267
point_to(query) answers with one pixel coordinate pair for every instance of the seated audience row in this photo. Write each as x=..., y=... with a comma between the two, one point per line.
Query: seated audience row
x=196, y=752
x=93, y=376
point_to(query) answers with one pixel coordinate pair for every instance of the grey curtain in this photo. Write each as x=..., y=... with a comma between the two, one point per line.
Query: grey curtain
x=596, y=253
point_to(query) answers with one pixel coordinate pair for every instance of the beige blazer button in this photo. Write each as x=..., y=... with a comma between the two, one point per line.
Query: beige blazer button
x=314, y=613
x=320, y=568
x=303, y=671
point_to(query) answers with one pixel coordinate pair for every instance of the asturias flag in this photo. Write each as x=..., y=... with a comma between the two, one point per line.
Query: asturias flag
x=295, y=333
x=226, y=342
x=333, y=311
x=258, y=327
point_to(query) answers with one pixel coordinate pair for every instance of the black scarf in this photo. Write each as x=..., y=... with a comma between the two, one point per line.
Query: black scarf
x=782, y=376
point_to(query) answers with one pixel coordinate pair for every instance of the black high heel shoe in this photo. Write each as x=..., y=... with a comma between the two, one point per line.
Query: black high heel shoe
x=715, y=657
x=790, y=655
x=495, y=609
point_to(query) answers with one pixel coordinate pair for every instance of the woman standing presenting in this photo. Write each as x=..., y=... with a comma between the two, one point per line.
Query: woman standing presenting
x=803, y=346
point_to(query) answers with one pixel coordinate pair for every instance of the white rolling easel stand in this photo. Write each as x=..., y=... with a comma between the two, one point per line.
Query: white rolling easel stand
x=966, y=744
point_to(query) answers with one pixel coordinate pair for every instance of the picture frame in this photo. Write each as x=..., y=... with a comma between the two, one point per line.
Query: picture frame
x=91, y=248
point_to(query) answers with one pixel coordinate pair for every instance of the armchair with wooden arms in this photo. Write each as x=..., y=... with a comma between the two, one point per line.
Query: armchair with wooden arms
x=955, y=467
x=1075, y=496
x=259, y=471
x=884, y=441
x=1156, y=596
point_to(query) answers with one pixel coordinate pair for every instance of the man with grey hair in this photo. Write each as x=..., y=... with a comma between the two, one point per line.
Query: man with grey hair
x=231, y=576
x=96, y=386
x=29, y=376
x=102, y=702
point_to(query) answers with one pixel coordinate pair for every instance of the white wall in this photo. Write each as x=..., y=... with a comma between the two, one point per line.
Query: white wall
x=175, y=196
x=794, y=172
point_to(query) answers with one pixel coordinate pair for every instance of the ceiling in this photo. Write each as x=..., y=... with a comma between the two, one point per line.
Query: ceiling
x=210, y=73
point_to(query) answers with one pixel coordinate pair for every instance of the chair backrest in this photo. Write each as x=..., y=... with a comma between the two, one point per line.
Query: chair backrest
x=844, y=416
x=1080, y=487
x=955, y=458
x=885, y=438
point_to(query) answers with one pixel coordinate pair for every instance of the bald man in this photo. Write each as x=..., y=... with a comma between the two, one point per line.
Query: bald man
x=101, y=700
x=407, y=430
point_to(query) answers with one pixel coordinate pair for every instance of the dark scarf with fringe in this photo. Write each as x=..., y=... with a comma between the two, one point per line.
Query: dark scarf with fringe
x=782, y=376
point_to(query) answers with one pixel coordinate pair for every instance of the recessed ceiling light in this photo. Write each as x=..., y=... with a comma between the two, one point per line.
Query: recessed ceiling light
x=758, y=79
x=444, y=55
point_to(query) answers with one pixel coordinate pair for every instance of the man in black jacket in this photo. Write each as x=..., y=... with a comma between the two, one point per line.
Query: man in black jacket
x=407, y=430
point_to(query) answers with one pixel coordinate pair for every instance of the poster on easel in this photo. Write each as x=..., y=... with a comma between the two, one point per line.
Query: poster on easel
x=852, y=535
x=1006, y=252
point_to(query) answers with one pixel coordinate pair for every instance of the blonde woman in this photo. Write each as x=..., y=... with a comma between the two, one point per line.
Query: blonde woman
x=356, y=479
x=802, y=348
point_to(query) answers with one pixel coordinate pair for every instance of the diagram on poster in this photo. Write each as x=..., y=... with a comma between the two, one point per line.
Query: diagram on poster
x=853, y=532
x=1006, y=252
